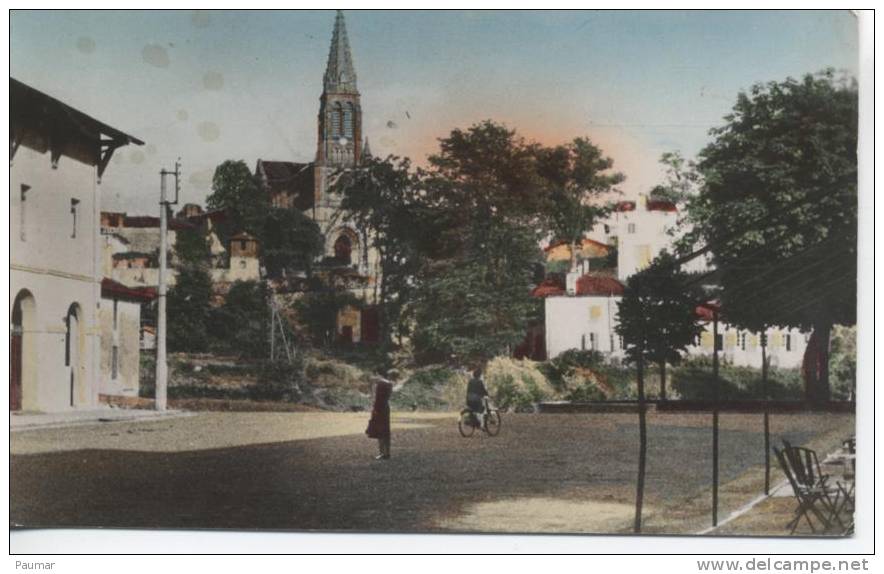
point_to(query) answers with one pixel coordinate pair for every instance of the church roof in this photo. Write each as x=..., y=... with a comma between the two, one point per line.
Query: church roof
x=289, y=178
x=340, y=76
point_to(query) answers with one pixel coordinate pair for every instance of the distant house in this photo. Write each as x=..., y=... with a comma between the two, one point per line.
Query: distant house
x=131, y=248
x=583, y=315
x=581, y=311
x=58, y=155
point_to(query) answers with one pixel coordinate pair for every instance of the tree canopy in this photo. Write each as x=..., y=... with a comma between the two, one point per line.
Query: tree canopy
x=577, y=176
x=656, y=316
x=485, y=198
x=681, y=179
x=242, y=323
x=235, y=190
x=189, y=298
x=290, y=241
x=383, y=202
x=459, y=239
x=778, y=208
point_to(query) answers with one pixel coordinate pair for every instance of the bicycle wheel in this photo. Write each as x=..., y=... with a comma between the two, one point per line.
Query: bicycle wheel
x=492, y=423
x=464, y=425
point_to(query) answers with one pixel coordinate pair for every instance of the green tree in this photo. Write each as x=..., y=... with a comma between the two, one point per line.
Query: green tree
x=242, y=324
x=656, y=321
x=778, y=210
x=188, y=305
x=235, y=190
x=578, y=175
x=682, y=179
x=380, y=199
x=318, y=309
x=290, y=241
x=657, y=315
x=472, y=308
x=485, y=201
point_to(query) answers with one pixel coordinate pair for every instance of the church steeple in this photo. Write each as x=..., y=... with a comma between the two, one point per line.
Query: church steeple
x=340, y=77
x=339, y=144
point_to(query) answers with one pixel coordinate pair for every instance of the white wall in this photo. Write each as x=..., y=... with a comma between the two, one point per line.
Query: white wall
x=241, y=269
x=125, y=336
x=747, y=353
x=641, y=236
x=574, y=322
x=577, y=322
x=58, y=270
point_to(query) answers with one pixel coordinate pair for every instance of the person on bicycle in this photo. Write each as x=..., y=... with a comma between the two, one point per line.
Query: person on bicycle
x=476, y=393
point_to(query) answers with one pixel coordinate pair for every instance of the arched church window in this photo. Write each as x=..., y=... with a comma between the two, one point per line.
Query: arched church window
x=348, y=121
x=343, y=249
x=337, y=117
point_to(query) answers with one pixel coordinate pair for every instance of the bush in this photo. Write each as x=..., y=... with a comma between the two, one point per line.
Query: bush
x=517, y=384
x=433, y=388
x=620, y=379
x=242, y=324
x=842, y=363
x=693, y=380
x=280, y=380
x=147, y=375
x=585, y=376
x=559, y=370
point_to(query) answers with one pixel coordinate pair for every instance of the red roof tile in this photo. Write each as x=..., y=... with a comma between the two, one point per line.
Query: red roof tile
x=661, y=205
x=550, y=286
x=597, y=285
x=111, y=289
x=704, y=311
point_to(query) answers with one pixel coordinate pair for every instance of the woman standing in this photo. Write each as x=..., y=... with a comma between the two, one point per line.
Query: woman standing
x=379, y=424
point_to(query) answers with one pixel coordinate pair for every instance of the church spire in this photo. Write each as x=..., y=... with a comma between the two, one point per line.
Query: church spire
x=340, y=76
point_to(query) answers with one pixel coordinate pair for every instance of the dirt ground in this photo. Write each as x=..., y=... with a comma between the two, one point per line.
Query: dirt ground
x=316, y=471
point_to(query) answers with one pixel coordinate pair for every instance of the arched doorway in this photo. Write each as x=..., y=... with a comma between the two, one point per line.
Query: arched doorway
x=73, y=353
x=343, y=250
x=22, y=375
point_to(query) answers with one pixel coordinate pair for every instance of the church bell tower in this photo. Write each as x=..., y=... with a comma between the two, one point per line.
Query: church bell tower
x=340, y=117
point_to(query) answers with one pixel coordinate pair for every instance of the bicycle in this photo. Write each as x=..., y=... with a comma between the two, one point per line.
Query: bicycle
x=489, y=422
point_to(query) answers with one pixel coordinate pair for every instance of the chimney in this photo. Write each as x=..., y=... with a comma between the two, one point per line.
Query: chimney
x=571, y=281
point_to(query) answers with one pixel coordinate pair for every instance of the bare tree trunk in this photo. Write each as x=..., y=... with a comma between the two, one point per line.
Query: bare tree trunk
x=766, y=413
x=663, y=380
x=715, y=383
x=643, y=447
x=823, y=393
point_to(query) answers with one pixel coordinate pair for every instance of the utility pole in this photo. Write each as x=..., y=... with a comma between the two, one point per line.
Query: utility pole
x=162, y=372
x=716, y=382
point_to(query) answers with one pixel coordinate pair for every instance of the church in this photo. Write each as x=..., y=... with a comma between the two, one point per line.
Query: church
x=307, y=186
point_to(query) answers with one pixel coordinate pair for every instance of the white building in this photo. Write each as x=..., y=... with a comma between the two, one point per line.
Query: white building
x=57, y=157
x=582, y=313
x=584, y=317
x=120, y=320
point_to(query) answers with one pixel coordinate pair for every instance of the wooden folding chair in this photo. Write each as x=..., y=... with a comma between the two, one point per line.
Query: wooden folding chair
x=812, y=500
x=808, y=472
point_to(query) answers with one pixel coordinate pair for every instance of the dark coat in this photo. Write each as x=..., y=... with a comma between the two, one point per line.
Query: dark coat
x=379, y=423
x=475, y=393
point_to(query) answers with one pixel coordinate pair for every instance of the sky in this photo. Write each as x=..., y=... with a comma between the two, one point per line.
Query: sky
x=207, y=86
